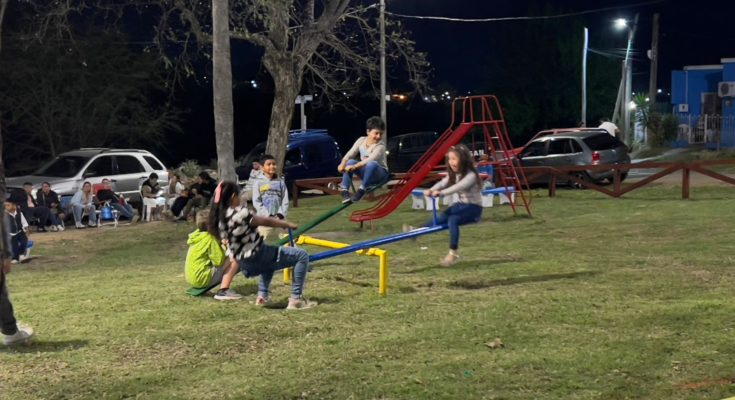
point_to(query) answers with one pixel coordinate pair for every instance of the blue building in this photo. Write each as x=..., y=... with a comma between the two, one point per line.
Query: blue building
x=703, y=98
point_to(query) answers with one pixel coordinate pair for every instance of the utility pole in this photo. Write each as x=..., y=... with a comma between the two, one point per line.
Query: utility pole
x=628, y=132
x=652, y=84
x=584, y=76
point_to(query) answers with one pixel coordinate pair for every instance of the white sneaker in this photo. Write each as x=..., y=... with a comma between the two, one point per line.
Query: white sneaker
x=14, y=261
x=24, y=335
x=80, y=225
x=134, y=219
x=300, y=304
x=228, y=294
x=53, y=228
x=60, y=228
x=92, y=224
x=23, y=257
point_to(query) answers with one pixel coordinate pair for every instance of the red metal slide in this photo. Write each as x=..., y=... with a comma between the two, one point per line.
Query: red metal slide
x=435, y=155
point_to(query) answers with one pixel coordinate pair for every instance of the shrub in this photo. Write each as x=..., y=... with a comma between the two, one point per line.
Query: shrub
x=190, y=168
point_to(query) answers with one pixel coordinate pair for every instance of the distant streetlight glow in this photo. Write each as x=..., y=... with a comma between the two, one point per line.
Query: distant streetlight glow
x=659, y=91
x=621, y=23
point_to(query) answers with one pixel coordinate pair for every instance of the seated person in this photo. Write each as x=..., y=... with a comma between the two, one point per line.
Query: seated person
x=371, y=167
x=206, y=262
x=200, y=194
x=179, y=203
x=256, y=173
x=83, y=202
x=17, y=230
x=117, y=202
x=150, y=189
x=174, y=188
x=45, y=197
x=32, y=211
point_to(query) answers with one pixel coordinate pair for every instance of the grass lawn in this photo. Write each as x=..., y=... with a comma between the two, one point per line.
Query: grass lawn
x=593, y=298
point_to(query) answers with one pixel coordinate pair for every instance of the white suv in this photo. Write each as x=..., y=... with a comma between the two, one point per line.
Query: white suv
x=127, y=168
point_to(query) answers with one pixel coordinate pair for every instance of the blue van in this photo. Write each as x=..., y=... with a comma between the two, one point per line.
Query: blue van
x=310, y=153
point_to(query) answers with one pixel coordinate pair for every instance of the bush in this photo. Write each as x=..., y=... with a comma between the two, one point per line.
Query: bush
x=190, y=168
x=661, y=128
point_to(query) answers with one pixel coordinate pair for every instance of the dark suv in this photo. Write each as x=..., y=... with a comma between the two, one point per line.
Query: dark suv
x=403, y=151
x=583, y=147
x=312, y=153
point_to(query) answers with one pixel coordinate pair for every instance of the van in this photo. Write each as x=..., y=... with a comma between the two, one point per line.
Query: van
x=403, y=151
x=310, y=153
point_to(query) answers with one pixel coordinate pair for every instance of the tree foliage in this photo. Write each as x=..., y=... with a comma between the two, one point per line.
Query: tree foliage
x=94, y=92
x=327, y=47
x=537, y=76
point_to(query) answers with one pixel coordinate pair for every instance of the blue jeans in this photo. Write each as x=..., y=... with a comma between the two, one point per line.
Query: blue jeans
x=79, y=210
x=270, y=259
x=125, y=210
x=457, y=214
x=371, y=174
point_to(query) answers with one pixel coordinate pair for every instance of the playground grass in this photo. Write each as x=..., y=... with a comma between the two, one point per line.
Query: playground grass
x=593, y=298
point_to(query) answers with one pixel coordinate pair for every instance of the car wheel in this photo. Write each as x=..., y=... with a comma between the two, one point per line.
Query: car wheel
x=580, y=175
x=623, y=175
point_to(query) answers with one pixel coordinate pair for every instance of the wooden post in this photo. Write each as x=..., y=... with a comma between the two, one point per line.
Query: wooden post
x=685, y=182
x=295, y=194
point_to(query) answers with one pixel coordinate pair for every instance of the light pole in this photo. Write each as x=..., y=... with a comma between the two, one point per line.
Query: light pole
x=584, y=77
x=621, y=23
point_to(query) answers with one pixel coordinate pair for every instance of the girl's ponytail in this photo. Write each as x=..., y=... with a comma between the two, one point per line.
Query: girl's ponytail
x=217, y=216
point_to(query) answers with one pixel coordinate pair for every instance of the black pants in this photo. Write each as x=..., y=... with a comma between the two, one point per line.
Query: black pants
x=18, y=244
x=8, y=324
x=41, y=214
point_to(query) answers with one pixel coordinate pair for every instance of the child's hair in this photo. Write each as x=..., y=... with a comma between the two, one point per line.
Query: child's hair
x=202, y=220
x=375, y=123
x=222, y=195
x=266, y=157
x=466, y=165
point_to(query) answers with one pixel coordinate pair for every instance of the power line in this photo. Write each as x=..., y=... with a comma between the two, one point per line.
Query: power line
x=526, y=18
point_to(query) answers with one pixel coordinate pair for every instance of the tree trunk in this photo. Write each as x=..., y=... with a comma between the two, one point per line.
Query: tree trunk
x=3, y=6
x=287, y=84
x=222, y=87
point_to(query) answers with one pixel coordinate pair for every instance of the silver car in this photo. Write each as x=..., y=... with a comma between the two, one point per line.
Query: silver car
x=584, y=147
x=127, y=168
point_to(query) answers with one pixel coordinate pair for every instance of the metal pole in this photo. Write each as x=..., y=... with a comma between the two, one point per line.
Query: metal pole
x=383, y=109
x=652, y=84
x=303, y=116
x=584, y=77
x=629, y=83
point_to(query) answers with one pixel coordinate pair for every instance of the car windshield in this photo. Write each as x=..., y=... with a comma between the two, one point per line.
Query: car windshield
x=62, y=166
x=602, y=141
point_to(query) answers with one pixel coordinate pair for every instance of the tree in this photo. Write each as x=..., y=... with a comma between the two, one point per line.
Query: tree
x=222, y=88
x=117, y=97
x=330, y=44
x=3, y=8
x=538, y=79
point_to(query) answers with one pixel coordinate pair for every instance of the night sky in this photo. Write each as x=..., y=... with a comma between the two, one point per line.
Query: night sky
x=692, y=32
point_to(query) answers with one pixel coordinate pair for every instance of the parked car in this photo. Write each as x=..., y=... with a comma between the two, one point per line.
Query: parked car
x=403, y=151
x=575, y=147
x=66, y=173
x=312, y=153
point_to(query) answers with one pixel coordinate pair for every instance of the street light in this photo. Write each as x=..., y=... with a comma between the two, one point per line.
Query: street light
x=622, y=23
